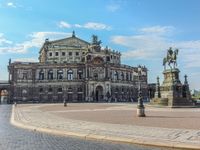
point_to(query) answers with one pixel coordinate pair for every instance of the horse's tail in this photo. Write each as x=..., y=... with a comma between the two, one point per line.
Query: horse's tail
x=164, y=61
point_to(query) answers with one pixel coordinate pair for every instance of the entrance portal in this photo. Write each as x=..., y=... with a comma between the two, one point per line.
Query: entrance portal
x=99, y=93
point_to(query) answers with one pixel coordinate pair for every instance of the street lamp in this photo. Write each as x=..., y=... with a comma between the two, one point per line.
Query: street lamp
x=140, y=106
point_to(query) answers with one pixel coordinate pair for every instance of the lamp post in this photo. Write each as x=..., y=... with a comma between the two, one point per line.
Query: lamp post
x=140, y=106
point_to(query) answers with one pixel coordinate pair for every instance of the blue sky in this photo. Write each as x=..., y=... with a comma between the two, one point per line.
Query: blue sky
x=142, y=30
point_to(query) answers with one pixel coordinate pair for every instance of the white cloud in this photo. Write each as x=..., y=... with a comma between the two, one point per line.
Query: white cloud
x=141, y=46
x=78, y=26
x=36, y=40
x=190, y=52
x=149, y=46
x=157, y=30
x=63, y=24
x=113, y=7
x=11, y=4
x=88, y=25
x=96, y=26
x=3, y=40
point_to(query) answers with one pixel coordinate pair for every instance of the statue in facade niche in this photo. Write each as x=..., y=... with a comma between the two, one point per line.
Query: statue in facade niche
x=171, y=58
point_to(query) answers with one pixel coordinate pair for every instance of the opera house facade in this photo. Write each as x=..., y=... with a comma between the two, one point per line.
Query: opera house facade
x=75, y=70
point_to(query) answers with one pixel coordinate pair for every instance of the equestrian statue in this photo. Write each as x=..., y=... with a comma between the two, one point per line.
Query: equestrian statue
x=171, y=58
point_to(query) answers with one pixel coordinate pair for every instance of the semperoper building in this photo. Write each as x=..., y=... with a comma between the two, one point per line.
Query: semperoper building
x=75, y=70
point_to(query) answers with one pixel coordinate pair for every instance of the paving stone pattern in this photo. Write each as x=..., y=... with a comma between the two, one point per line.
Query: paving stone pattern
x=13, y=138
x=32, y=116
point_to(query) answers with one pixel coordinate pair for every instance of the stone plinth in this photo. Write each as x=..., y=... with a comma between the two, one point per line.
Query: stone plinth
x=172, y=92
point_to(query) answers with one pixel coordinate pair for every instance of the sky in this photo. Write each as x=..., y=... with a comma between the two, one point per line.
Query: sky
x=142, y=30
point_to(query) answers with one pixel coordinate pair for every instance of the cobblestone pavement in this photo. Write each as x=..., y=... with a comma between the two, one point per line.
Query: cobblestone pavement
x=13, y=138
x=35, y=118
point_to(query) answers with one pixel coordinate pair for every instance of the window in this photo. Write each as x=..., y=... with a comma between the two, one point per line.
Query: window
x=89, y=57
x=80, y=89
x=56, y=53
x=69, y=89
x=95, y=76
x=122, y=75
x=50, y=90
x=116, y=90
x=83, y=59
x=80, y=74
x=50, y=74
x=116, y=77
x=80, y=97
x=24, y=75
x=127, y=76
x=63, y=53
x=108, y=58
x=77, y=53
x=70, y=75
x=59, y=74
x=50, y=54
x=60, y=89
x=70, y=53
x=41, y=90
x=41, y=75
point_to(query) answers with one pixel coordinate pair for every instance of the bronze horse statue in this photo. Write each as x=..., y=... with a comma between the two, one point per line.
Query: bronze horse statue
x=171, y=58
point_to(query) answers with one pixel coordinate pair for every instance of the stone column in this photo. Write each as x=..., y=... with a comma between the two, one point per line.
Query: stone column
x=157, y=93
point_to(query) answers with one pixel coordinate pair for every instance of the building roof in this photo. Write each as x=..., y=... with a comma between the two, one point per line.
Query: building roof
x=69, y=41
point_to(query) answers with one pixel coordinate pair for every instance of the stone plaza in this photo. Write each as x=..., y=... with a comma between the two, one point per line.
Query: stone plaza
x=166, y=127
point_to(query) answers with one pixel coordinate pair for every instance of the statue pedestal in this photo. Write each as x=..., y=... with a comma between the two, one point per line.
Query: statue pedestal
x=172, y=92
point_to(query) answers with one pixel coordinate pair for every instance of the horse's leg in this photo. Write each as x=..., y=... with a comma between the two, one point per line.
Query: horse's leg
x=170, y=65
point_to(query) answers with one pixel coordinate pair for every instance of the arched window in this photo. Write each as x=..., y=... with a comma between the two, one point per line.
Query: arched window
x=80, y=74
x=69, y=89
x=70, y=75
x=60, y=90
x=60, y=74
x=50, y=74
x=122, y=75
x=122, y=89
x=41, y=90
x=24, y=91
x=41, y=75
x=50, y=90
x=127, y=76
x=80, y=89
x=116, y=90
x=95, y=76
